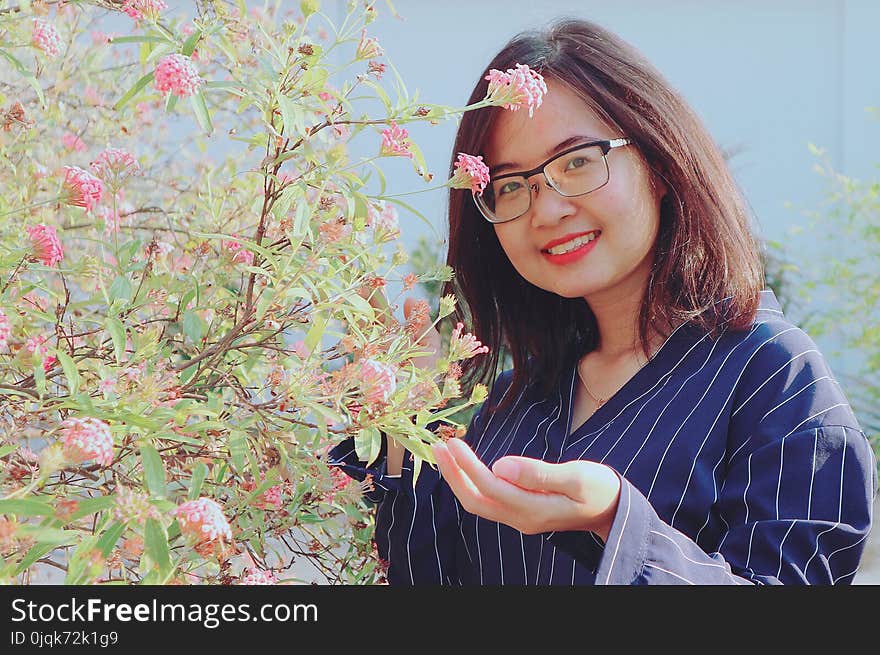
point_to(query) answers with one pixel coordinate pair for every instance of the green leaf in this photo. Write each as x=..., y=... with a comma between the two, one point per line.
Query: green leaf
x=121, y=289
x=156, y=545
x=200, y=472
x=91, y=505
x=154, y=471
x=189, y=45
x=292, y=116
x=110, y=537
x=367, y=444
x=194, y=326
x=133, y=91
x=238, y=448
x=140, y=39
x=170, y=102
x=27, y=75
x=203, y=116
x=8, y=448
x=313, y=336
x=26, y=507
x=117, y=333
x=70, y=371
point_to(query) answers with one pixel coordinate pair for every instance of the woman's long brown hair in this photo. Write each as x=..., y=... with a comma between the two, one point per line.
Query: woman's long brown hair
x=707, y=266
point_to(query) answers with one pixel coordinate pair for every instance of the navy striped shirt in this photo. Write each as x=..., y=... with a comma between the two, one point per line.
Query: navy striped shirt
x=740, y=460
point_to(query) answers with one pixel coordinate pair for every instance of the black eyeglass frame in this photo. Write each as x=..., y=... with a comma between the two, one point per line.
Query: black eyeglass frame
x=607, y=145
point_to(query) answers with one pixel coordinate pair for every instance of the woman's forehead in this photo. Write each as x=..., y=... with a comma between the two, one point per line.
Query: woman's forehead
x=520, y=141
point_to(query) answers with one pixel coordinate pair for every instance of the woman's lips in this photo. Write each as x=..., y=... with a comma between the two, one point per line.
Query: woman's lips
x=571, y=256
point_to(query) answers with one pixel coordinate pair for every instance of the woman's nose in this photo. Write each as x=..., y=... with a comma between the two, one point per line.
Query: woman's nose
x=548, y=206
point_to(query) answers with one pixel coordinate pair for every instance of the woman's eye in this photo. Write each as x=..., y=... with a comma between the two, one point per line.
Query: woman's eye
x=510, y=187
x=576, y=162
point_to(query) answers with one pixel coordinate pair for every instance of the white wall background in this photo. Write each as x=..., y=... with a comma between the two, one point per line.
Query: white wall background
x=767, y=78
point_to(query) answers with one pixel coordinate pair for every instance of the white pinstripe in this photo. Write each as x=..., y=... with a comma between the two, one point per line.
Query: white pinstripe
x=839, y=506
x=620, y=535
x=674, y=575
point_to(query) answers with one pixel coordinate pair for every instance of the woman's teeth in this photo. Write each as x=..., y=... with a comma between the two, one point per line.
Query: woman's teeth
x=574, y=244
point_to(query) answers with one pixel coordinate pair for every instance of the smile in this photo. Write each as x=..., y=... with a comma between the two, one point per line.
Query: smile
x=564, y=253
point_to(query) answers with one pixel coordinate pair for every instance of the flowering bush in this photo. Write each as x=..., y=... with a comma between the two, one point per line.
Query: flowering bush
x=185, y=333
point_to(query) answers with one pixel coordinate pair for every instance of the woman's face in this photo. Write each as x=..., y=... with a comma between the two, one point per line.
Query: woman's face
x=624, y=214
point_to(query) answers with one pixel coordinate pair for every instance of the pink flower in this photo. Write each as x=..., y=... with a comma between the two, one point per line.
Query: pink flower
x=384, y=221
x=333, y=230
x=73, y=142
x=377, y=69
x=46, y=38
x=240, y=255
x=368, y=48
x=176, y=73
x=134, y=507
x=5, y=330
x=203, y=519
x=83, y=439
x=49, y=362
x=516, y=87
x=272, y=497
x=114, y=166
x=83, y=189
x=107, y=385
x=394, y=142
x=245, y=257
x=470, y=173
x=45, y=244
x=257, y=577
x=140, y=9
x=378, y=381
x=464, y=346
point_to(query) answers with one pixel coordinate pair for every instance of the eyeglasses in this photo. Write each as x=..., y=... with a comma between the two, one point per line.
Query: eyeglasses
x=573, y=172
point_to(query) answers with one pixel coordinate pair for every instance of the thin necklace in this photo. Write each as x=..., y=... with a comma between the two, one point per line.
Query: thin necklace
x=599, y=401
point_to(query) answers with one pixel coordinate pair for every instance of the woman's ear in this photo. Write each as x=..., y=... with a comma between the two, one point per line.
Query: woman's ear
x=658, y=185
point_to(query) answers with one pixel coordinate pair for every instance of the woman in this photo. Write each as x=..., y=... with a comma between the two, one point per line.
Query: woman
x=663, y=422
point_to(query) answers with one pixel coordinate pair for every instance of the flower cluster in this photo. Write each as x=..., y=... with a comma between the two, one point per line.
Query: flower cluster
x=5, y=330
x=395, y=142
x=464, y=346
x=383, y=218
x=240, y=255
x=203, y=519
x=45, y=244
x=81, y=188
x=46, y=38
x=83, y=439
x=378, y=381
x=368, y=48
x=516, y=87
x=177, y=74
x=470, y=173
x=134, y=507
x=140, y=9
x=258, y=577
x=72, y=142
x=114, y=166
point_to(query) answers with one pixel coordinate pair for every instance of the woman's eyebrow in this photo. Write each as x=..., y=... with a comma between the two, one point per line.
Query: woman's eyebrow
x=562, y=145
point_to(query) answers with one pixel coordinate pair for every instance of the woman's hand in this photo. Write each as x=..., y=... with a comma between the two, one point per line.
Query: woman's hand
x=531, y=495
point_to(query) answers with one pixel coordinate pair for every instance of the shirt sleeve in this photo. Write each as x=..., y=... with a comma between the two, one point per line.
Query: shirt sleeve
x=796, y=499
x=417, y=527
